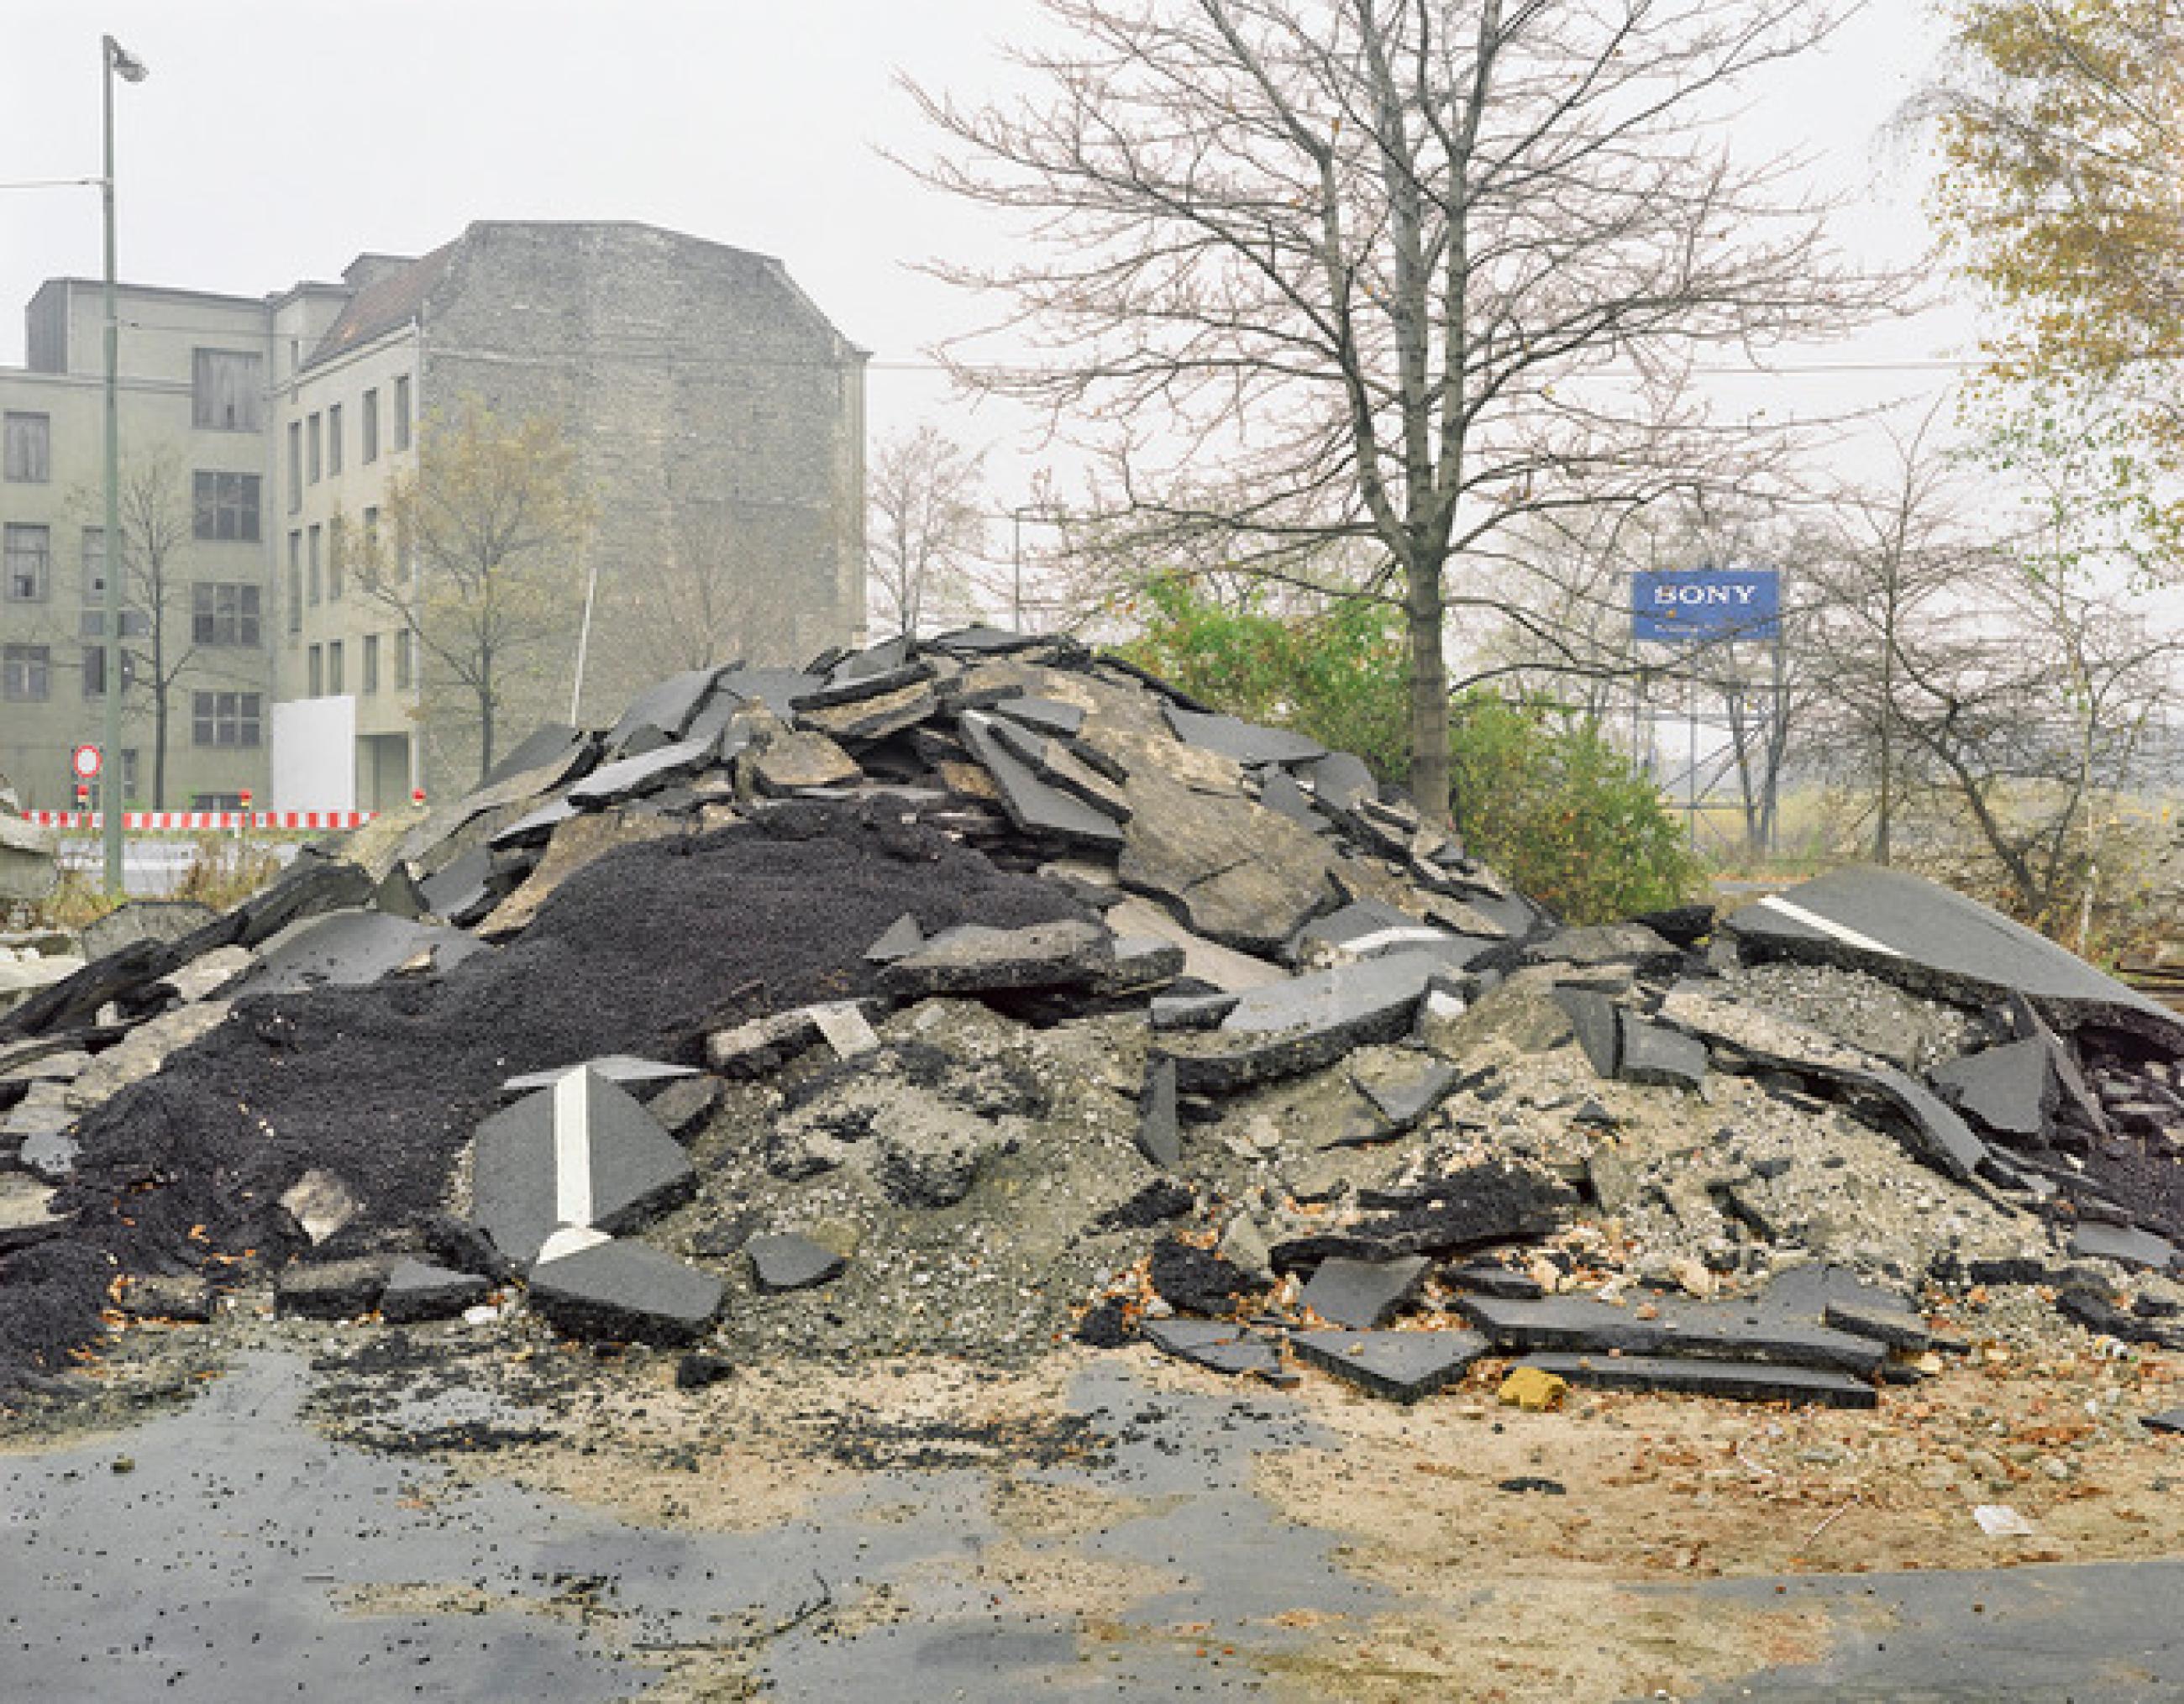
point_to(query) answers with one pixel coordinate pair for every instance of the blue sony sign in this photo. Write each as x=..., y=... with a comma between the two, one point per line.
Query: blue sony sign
x=1686, y=606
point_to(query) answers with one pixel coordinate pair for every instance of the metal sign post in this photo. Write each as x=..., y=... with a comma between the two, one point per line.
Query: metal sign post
x=1689, y=610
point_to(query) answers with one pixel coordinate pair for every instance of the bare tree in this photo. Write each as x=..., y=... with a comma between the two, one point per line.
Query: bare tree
x=1978, y=675
x=926, y=530
x=157, y=511
x=707, y=602
x=486, y=530
x=157, y=524
x=1408, y=271
x=1902, y=586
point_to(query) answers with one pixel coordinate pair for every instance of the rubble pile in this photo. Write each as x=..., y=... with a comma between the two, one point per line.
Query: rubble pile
x=971, y=996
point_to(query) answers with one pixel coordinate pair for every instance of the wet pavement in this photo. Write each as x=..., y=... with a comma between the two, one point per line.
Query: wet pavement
x=2095, y=1633
x=231, y=1549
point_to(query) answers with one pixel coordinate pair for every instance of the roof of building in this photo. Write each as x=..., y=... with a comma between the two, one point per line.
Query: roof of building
x=396, y=294
x=170, y=292
x=383, y=305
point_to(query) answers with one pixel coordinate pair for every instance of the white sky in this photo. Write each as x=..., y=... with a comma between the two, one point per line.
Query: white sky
x=274, y=139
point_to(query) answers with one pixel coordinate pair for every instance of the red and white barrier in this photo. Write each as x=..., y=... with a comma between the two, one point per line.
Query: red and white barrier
x=200, y=822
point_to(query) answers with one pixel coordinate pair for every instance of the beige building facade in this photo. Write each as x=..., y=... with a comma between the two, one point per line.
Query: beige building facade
x=716, y=419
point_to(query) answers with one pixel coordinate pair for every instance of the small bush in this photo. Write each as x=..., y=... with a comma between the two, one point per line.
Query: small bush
x=1336, y=674
x=225, y=869
x=1543, y=797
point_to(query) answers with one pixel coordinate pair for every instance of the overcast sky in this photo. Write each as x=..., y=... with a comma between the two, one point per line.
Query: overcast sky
x=276, y=139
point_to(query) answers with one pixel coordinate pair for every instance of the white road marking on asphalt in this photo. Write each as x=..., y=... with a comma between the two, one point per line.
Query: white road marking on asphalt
x=1828, y=927
x=572, y=1148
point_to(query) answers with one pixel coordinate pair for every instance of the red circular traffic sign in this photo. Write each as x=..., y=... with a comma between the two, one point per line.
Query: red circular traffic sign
x=86, y=761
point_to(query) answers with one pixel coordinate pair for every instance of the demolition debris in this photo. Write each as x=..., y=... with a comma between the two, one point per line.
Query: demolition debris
x=972, y=995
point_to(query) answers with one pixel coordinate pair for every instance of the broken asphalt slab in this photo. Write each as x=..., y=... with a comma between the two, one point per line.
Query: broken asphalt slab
x=1717, y=1331
x=1480, y=1206
x=791, y=1261
x=976, y=960
x=582, y=1154
x=350, y=949
x=1219, y=1348
x=1401, y=1366
x=418, y=1290
x=1362, y=1294
x=1303, y=1024
x=1928, y=938
x=1737, y=1380
x=623, y=1292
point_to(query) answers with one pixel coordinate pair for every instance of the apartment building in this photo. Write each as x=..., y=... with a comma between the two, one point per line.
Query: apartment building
x=713, y=411
x=197, y=437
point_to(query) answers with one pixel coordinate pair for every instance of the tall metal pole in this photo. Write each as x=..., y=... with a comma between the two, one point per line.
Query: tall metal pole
x=110, y=773
x=113, y=58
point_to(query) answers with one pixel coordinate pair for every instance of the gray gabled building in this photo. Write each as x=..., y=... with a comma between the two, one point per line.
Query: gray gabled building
x=717, y=422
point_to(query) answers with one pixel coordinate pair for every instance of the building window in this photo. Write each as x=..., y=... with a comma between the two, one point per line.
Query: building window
x=224, y=614
x=295, y=582
x=370, y=664
x=225, y=386
x=27, y=574
x=370, y=560
x=227, y=507
x=368, y=424
x=405, y=668
x=94, y=565
x=336, y=557
x=136, y=624
x=334, y=438
x=28, y=455
x=334, y=682
x=230, y=719
x=318, y=567
x=313, y=453
x=316, y=672
x=295, y=466
x=402, y=412
x=25, y=673
x=94, y=674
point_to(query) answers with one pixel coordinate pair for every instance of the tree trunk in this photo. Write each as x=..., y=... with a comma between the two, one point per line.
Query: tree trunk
x=161, y=687
x=485, y=727
x=1424, y=610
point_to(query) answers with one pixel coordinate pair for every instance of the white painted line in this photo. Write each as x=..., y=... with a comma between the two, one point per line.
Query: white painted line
x=572, y=1148
x=1828, y=927
x=1415, y=935
x=569, y=1240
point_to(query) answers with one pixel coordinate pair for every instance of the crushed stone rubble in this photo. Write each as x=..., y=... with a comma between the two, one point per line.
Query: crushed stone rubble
x=978, y=994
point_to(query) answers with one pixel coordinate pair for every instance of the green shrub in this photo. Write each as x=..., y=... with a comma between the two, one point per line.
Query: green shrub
x=1539, y=794
x=1337, y=675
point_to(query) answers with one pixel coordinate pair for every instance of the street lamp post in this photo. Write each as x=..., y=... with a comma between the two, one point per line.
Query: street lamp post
x=116, y=60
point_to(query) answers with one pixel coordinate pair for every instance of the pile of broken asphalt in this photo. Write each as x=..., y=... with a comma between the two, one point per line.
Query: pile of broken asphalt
x=971, y=996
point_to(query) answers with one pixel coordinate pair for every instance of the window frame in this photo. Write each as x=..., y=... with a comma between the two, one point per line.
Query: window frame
x=223, y=497
x=235, y=713
x=26, y=674
x=205, y=393
x=26, y=456
x=226, y=613
x=37, y=583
